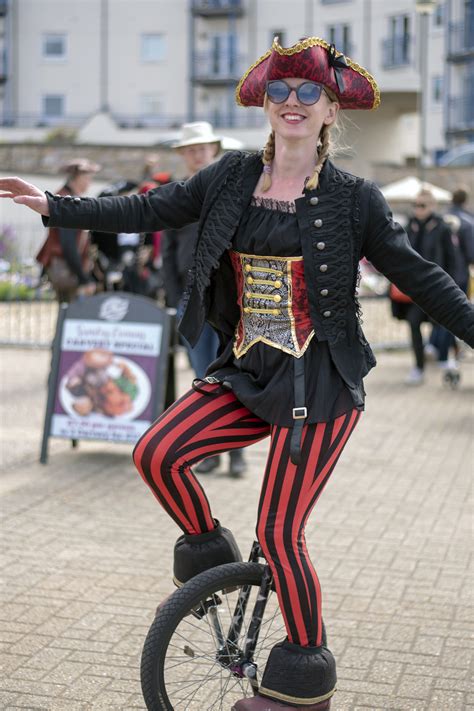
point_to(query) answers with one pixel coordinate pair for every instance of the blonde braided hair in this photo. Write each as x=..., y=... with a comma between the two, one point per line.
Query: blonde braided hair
x=267, y=158
x=324, y=144
x=323, y=153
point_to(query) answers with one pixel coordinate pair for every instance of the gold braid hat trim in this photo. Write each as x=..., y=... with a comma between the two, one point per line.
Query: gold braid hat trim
x=255, y=64
x=300, y=47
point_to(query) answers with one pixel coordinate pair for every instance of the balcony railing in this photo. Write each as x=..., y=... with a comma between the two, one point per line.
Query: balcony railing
x=461, y=38
x=218, y=8
x=28, y=120
x=219, y=118
x=3, y=67
x=218, y=67
x=396, y=52
x=460, y=114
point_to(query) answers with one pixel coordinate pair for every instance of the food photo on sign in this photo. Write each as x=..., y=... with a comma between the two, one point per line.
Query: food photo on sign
x=101, y=383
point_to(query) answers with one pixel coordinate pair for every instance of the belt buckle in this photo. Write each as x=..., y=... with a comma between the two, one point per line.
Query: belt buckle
x=300, y=413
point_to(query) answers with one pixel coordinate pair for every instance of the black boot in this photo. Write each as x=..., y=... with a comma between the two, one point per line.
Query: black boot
x=208, y=465
x=237, y=463
x=196, y=553
x=299, y=676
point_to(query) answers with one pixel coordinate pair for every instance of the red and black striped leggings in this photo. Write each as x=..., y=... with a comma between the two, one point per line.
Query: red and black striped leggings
x=200, y=424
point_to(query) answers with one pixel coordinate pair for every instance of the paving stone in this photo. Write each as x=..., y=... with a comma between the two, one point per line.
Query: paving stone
x=86, y=688
x=415, y=687
x=442, y=700
x=84, y=569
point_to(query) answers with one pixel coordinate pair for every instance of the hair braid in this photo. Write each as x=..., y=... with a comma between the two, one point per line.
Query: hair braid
x=267, y=158
x=323, y=152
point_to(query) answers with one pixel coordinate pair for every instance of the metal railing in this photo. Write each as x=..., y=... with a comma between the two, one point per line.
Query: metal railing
x=235, y=117
x=215, y=67
x=396, y=51
x=220, y=118
x=36, y=120
x=460, y=113
x=461, y=38
x=32, y=323
x=217, y=8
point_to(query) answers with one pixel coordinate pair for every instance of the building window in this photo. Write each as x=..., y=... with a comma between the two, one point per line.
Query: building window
x=53, y=105
x=438, y=15
x=281, y=34
x=151, y=104
x=223, y=56
x=340, y=35
x=152, y=48
x=54, y=46
x=396, y=48
x=437, y=89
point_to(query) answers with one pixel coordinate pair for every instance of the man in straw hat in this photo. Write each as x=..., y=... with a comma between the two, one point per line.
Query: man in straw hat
x=275, y=272
x=198, y=148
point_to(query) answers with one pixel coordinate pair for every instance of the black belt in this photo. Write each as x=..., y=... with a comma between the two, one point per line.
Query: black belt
x=300, y=411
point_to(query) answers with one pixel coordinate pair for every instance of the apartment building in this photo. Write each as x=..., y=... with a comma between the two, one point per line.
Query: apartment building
x=153, y=64
x=459, y=75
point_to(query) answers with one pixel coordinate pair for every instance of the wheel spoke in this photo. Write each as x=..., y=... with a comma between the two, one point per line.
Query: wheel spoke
x=193, y=665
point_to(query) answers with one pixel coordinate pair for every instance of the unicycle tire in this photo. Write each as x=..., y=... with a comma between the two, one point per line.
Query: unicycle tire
x=179, y=670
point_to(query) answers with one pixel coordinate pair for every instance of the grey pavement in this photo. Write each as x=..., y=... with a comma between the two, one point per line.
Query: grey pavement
x=86, y=551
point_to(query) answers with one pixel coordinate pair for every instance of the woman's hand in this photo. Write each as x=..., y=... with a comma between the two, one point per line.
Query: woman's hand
x=24, y=194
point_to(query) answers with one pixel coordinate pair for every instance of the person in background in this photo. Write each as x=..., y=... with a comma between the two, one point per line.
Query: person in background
x=459, y=201
x=198, y=148
x=442, y=342
x=154, y=238
x=107, y=270
x=464, y=237
x=431, y=237
x=64, y=255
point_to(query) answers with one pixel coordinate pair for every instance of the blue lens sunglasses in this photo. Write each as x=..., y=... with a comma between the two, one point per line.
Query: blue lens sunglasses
x=307, y=93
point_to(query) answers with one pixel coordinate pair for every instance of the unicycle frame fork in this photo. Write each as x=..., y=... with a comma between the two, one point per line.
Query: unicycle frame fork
x=245, y=666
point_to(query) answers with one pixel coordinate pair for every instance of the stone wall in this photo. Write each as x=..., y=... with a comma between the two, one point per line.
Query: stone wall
x=128, y=161
x=116, y=161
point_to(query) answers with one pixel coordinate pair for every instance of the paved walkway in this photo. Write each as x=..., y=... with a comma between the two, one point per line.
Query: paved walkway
x=86, y=552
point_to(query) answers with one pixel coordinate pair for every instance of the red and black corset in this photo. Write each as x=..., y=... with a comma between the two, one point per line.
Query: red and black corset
x=273, y=303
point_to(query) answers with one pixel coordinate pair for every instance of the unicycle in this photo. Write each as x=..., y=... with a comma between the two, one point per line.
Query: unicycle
x=209, y=642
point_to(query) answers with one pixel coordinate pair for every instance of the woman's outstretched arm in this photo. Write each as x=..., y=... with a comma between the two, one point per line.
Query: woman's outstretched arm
x=169, y=206
x=386, y=245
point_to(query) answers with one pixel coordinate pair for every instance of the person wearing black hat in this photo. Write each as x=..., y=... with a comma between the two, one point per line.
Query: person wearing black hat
x=65, y=253
x=275, y=273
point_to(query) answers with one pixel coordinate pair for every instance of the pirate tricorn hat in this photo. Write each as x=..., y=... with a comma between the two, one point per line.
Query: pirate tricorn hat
x=314, y=59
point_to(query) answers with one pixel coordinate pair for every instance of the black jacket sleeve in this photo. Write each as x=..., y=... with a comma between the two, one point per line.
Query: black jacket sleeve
x=168, y=206
x=67, y=240
x=386, y=245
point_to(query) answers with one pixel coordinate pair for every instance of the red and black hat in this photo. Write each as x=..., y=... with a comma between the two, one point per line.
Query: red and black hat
x=314, y=59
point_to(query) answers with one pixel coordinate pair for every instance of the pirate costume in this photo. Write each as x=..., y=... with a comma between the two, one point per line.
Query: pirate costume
x=277, y=282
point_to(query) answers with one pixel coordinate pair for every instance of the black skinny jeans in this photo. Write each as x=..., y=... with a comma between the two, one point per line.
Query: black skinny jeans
x=415, y=317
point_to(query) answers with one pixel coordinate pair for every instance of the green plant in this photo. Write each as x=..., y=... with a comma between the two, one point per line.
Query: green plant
x=61, y=135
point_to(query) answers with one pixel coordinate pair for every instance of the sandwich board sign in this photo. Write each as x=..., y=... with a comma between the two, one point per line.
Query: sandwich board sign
x=108, y=370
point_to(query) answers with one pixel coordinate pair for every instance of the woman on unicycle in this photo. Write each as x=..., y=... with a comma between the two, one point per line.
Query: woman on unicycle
x=275, y=274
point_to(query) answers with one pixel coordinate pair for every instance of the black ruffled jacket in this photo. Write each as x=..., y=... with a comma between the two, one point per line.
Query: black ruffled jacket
x=344, y=219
